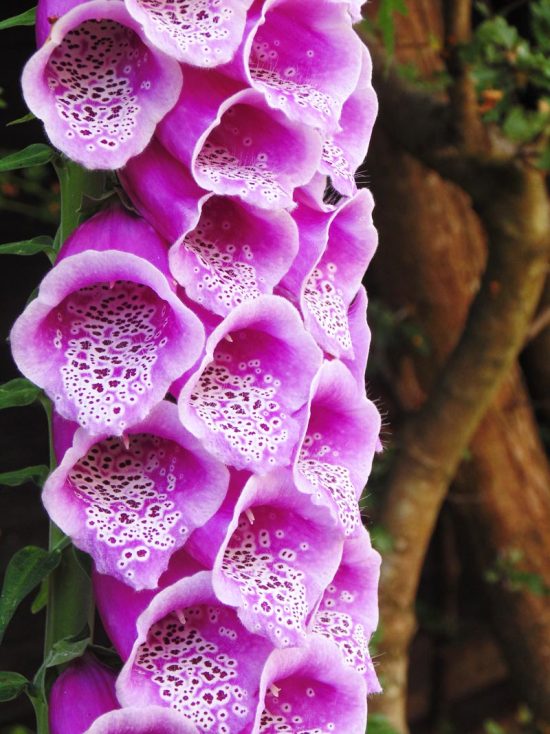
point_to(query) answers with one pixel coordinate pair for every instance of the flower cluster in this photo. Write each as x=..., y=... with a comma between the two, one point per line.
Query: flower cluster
x=206, y=361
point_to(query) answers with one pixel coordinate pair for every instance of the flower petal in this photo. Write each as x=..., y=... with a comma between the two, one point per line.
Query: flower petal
x=244, y=401
x=106, y=335
x=98, y=87
x=277, y=558
x=131, y=502
x=235, y=253
x=194, y=656
x=142, y=720
x=201, y=32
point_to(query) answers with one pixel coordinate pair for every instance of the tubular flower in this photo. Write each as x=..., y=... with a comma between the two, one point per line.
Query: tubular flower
x=194, y=656
x=335, y=455
x=131, y=502
x=146, y=720
x=201, y=32
x=245, y=401
x=277, y=557
x=309, y=690
x=98, y=86
x=348, y=612
x=106, y=334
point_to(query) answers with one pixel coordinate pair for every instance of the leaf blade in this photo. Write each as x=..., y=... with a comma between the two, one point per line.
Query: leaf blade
x=27, y=18
x=36, y=154
x=18, y=393
x=37, y=474
x=11, y=685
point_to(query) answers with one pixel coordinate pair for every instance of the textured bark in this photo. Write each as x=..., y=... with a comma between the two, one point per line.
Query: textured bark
x=438, y=257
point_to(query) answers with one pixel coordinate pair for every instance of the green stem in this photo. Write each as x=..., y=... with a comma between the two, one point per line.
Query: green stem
x=70, y=601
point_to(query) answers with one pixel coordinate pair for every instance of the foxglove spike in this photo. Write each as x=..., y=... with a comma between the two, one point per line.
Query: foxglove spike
x=305, y=59
x=234, y=254
x=335, y=249
x=83, y=692
x=146, y=720
x=200, y=32
x=345, y=150
x=348, y=613
x=277, y=558
x=132, y=508
x=119, y=605
x=106, y=355
x=336, y=453
x=309, y=690
x=206, y=668
x=99, y=89
x=163, y=191
x=246, y=401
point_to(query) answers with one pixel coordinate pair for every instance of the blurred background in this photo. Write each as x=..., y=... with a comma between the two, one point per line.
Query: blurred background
x=459, y=501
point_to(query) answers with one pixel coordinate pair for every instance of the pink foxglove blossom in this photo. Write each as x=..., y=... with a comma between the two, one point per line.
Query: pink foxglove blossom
x=278, y=556
x=200, y=32
x=336, y=453
x=98, y=87
x=107, y=335
x=194, y=656
x=246, y=401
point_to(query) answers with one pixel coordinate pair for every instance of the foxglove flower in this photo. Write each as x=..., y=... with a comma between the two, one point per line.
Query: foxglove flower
x=234, y=254
x=131, y=502
x=345, y=150
x=194, y=656
x=201, y=32
x=336, y=453
x=107, y=335
x=246, y=401
x=309, y=690
x=278, y=556
x=83, y=692
x=348, y=613
x=235, y=144
x=335, y=249
x=97, y=85
x=360, y=337
x=305, y=59
x=146, y=720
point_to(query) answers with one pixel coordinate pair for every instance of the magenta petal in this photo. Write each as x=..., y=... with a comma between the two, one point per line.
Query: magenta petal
x=83, y=691
x=106, y=335
x=193, y=655
x=345, y=150
x=146, y=720
x=130, y=503
x=119, y=605
x=163, y=191
x=277, y=558
x=244, y=401
x=348, y=613
x=48, y=13
x=235, y=253
x=309, y=690
x=335, y=456
x=200, y=32
x=305, y=58
x=360, y=337
x=96, y=118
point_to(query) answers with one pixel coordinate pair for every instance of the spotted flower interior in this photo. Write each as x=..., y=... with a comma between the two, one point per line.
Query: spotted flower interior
x=204, y=343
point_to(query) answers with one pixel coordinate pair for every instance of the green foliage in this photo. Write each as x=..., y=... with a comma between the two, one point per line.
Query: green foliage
x=384, y=23
x=31, y=247
x=18, y=392
x=512, y=77
x=23, y=19
x=506, y=571
x=379, y=724
x=37, y=474
x=11, y=685
x=26, y=569
x=36, y=154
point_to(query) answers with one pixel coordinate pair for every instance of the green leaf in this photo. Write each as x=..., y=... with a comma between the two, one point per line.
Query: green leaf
x=25, y=571
x=386, y=22
x=20, y=120
x=30, y=247
x=18, y=392
x=26, y=18
x=63, y=651
x=379, y=724
x=37, y=474
x=11, y=685
x=41, y=599
x=36, y=154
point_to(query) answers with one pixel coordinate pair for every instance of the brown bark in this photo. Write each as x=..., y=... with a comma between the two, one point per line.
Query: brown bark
x=512, y=201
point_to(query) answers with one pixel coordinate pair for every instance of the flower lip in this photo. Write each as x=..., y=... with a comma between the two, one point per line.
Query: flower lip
x=132, y=503
x=142, y=720
x=100, y=127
